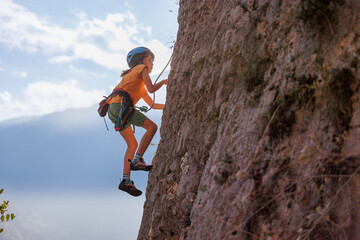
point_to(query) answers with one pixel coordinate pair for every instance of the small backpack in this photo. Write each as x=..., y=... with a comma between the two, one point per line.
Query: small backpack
x=103, y=107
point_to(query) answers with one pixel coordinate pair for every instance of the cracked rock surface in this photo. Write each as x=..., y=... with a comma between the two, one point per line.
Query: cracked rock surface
x=260, y=136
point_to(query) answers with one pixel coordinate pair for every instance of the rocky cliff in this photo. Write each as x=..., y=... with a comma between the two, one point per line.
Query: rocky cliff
x=260, y=137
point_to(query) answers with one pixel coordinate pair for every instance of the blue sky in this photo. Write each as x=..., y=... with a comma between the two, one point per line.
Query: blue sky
x=57, y=60
x=56, y=55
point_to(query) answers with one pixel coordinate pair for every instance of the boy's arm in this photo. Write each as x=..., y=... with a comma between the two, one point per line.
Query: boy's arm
x=149, y=101
x=147, y=80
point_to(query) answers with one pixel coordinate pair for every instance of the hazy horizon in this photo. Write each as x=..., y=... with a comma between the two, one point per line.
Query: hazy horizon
x=60, y=175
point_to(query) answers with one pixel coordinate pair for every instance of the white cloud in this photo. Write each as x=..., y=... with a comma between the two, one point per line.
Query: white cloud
x=22, y=29
x=22, y=74
x=5, y=97
x=89, y=73
x=61, y=59
x=103, y=41
x=41, y=98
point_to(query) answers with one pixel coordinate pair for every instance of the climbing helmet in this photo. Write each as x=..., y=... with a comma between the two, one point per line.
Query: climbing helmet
x=131, y=56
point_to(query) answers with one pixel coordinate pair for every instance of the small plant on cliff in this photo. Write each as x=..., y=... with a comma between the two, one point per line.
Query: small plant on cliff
x=253, y=73
x=5, y=217
x=244, y=7
x=284, y=118
x=355, y=63
x=318, y=12
x=302, y=95
x=255, y=96
x=224, y=170
x=336, y=96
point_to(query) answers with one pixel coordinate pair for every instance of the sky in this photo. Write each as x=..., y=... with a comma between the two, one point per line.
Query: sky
x=60, y=173
x=57, y=60
x=56, y=55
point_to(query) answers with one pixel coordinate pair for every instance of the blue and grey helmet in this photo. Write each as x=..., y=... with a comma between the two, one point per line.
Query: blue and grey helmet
x=136, y=55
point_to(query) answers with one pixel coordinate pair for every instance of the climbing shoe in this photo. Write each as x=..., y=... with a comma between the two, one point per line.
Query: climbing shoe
x=129, y=188
x=139, y=165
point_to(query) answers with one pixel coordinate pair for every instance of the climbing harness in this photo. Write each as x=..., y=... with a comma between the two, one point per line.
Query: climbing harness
x=126, y=111
x=127, y=108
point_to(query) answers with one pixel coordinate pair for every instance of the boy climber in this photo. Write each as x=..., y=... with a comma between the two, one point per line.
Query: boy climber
x=132, y=89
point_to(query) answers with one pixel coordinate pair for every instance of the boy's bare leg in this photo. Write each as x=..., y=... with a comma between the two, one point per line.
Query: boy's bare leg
x=132, y=145
x=151, y=129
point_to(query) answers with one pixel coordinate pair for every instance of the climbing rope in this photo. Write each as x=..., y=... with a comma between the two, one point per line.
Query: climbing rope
x=144, y=108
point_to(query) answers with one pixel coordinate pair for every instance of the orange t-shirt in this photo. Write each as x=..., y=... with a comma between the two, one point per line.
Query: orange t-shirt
x=132, y=83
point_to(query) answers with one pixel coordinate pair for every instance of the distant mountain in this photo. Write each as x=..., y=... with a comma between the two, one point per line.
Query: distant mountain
x=66, y=150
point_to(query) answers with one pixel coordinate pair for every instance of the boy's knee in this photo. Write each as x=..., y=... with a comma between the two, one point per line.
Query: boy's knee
x=150, y=126
x=133, y=145
x=154, y=128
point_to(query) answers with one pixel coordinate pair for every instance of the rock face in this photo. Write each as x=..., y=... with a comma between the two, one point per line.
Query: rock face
x=260, y=137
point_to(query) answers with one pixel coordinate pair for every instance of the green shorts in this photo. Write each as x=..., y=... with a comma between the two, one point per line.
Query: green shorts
x=136, y=119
